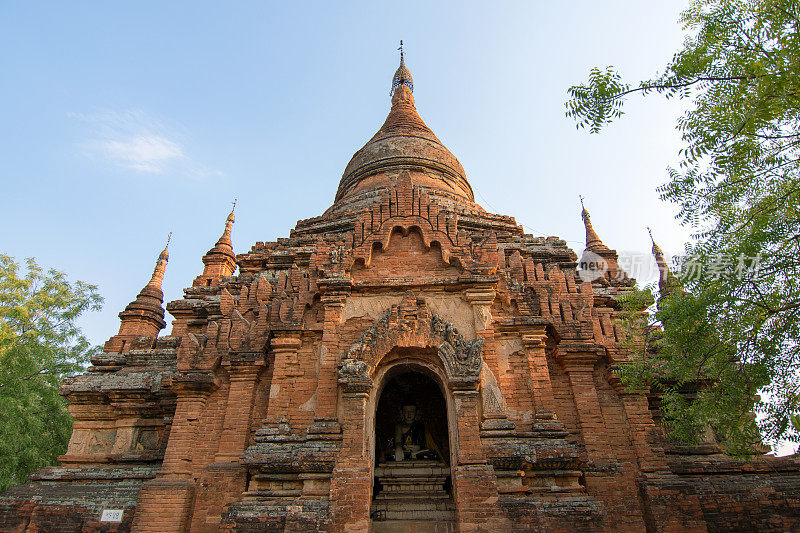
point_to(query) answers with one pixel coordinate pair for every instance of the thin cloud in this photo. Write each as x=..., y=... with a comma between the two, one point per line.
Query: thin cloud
x=144, y=153
x=137, y=141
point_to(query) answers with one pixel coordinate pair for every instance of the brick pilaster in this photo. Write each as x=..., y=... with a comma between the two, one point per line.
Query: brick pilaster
x=351, y=483
x=578, y=361
x=333, y=300
x=192, y=389
x=606, y=478
x=243, y=370
x=474, y=480
x=284, y=346
x=165, y=502
x=540, y=384
x=470, y=450
x=642, y=428
x=481, y=299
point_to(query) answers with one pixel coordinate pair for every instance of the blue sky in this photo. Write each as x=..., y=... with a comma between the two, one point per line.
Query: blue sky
x=122, y=122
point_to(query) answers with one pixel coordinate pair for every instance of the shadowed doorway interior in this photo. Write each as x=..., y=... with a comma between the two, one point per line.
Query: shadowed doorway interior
x=412, y=451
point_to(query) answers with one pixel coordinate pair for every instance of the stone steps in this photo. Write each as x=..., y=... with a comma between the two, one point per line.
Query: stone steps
x=414, y=509
x=414, y=526
x=413, y=491
x=413, y=504
x=388, y=496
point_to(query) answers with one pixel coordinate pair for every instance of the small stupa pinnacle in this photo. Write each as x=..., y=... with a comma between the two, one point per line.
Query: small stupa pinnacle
x=667, y=282
x=402, y=76
x=220, y=260
x=161, y=265
x=592, y=239
x=165, y=252
x=595, y=245
x=144, y=316
x=225, y=239
x=656, y=249
x=232, y=217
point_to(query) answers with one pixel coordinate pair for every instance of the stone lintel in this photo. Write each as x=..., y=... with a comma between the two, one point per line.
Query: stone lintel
x=354, y=387
x=497, y=426
x=451, y=283
x=194, y=382
x=101, y=473
x=481, y=294
x=240, y=362
x=358, y=390
x=521, y=322
x=334, y=299
x=74, y=459
x=135, y=406
x=533, y=337
x=463, y=388
x=578, y=356
x=334, y=285
x=286, y=341
x=93, y=410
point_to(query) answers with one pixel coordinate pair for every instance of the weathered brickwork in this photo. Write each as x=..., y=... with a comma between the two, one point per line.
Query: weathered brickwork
x=258, y=411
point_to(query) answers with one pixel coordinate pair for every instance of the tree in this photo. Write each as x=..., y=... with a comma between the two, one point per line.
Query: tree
x=40, y=346
x=737, y=324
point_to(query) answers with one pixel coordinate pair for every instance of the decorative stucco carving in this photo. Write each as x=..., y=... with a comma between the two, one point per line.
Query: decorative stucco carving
x=354, y=375
x=411, y=324
x=493, y=403
x=462, y=358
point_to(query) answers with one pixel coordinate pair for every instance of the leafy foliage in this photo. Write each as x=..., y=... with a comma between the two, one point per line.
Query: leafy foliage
x=704, y=386
x=738, y=186
x=40, y=346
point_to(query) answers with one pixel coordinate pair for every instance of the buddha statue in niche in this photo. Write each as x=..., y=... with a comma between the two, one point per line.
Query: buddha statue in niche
x=411, y=440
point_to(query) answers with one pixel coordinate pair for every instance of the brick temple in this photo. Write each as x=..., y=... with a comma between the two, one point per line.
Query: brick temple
x=405, y=361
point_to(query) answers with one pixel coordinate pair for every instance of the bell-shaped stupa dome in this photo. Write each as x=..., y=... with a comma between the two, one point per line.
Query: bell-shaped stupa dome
x=403, y=142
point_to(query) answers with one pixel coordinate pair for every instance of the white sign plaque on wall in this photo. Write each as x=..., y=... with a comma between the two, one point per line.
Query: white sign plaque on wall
x=111, y=515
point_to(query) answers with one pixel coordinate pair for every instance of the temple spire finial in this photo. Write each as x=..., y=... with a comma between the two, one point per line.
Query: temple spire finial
x=225, y=239
x=165, y=252
x=595, y=245
x=402, y=76
x=592, y=239
x=161, y=266
x=667, y=282
x=231, y=216
x=656, y=249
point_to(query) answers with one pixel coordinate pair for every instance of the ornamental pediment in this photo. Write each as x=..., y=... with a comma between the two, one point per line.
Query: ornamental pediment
x=412, y=324
x=405, y=255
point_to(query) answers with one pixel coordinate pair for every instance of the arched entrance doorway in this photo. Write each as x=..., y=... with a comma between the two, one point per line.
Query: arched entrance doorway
x=411, y=449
